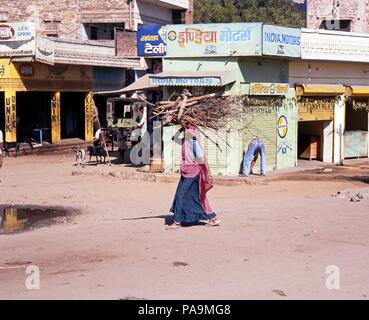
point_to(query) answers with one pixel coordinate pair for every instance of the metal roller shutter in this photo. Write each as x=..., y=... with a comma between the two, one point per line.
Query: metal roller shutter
x=261, y=121
x=216, y=150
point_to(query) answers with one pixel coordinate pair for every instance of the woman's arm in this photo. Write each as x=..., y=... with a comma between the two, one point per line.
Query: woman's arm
x=175, y=138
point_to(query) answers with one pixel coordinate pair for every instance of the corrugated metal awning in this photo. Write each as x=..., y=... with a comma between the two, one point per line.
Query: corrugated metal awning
x=23, y=59
x=142, y=83
x=357, y=91
x=193, y=78
x=319, y=89
x=182, y=78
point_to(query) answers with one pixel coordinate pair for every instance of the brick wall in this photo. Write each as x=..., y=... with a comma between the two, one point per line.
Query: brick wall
x=65, y=17
x=189, y=13
x=355, y=10
x=126, y=43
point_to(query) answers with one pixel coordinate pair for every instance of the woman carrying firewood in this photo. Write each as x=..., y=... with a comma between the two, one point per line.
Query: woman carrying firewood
x=190, y=204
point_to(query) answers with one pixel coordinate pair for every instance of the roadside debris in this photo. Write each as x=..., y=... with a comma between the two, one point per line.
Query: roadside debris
x=280, y=293
x=180, y=264
x=352, y=195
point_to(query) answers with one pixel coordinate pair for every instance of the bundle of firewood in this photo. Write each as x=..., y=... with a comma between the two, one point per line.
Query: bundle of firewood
x=208, y=111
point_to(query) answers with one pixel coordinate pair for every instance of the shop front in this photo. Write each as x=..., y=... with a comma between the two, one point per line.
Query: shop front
x=217, y=145
x=269, y=112
x=356, y=122
x=44, y=102
x=320, y=121
x=251, y=61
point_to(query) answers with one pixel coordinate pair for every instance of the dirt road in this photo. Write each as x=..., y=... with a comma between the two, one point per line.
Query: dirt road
x=278, y=237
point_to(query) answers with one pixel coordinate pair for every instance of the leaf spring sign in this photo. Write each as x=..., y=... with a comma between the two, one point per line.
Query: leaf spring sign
x=224, y=39
x=17, y=39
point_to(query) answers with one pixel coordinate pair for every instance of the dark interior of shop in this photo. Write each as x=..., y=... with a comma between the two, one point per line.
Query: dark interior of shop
x=72, y=114
x=356, y=119
x=310, y=139
x=2, y=113
x=33, y=116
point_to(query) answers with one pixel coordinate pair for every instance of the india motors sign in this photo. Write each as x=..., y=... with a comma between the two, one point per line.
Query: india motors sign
x=281, y=41
x=17, y=39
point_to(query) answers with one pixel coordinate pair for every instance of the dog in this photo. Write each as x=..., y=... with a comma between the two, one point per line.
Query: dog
x=97, y=152
x=80, y=158
x=11, y=145
x=16, y=146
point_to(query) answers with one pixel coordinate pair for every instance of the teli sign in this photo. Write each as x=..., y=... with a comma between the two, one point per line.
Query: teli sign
x=151, y=40
x=17, y=39
x=281, y=41
x=224, y=39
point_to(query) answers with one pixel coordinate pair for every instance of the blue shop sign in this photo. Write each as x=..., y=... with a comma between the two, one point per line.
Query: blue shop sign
x=193, y=81
x=151, y=40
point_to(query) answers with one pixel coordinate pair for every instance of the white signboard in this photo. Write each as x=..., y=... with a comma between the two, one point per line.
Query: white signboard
x=17, y=39
x=45, y=51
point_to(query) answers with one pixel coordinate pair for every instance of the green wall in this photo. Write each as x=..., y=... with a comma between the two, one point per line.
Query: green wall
x=247, y=69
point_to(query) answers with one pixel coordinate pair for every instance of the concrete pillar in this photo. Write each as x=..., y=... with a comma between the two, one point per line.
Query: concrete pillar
x=339, y=130
x=10, y=116
x=328, y=141
x=234, y=152
x=368, y=134
x=189, y=13
x=55, y=118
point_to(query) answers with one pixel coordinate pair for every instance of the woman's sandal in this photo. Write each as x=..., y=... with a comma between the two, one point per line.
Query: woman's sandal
x=213, y=223
x=173, y=226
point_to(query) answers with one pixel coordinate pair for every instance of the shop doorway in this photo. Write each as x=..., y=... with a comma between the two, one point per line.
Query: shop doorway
x=356, y=128
x=315, y=140
x=33, y=116
x=72, y=115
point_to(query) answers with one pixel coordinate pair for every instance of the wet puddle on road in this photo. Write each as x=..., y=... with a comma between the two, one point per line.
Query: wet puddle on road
x=14, y=219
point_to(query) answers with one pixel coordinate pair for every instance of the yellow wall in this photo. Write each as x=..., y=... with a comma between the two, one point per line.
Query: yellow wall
x=34, y=76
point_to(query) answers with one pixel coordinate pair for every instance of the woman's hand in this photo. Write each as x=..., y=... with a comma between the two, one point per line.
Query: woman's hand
x=211, y=180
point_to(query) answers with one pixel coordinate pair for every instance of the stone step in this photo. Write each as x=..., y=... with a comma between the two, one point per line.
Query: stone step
x=25, y=150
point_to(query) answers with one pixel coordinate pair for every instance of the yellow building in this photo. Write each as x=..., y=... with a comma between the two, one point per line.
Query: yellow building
x=55, y=99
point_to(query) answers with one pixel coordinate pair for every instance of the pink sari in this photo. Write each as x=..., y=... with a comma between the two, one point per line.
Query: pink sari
x=191, y=167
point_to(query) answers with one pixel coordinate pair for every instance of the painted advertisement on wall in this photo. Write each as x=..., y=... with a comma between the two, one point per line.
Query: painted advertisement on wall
x=287, y=134
x=17, y=39
x=45, y=51
x=24, y=76
x=281, y=41
x=151, y=40
x=269, y=89
x=224, y=39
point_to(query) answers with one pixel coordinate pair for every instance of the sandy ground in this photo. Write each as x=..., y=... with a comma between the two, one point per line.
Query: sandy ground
x=277, y=239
